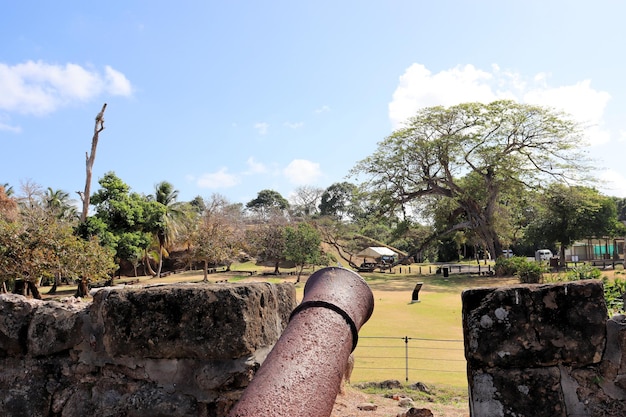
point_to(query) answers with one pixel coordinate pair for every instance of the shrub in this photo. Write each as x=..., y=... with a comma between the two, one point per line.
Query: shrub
x=613, y=294
x=509, y=266
x=530, y=272
x=505, y=267
x=583, y=271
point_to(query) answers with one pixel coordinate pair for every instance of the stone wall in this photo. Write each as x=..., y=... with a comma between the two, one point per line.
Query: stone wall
x=168, y=350
x=544, y=350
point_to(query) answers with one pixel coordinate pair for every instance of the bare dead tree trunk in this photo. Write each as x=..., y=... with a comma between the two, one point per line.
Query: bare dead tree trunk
x=90, y=159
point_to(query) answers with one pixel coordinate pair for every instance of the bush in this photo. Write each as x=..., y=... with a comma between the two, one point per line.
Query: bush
x=613, y=293
x=507, y=267
x=530, y=272
x=583, y=271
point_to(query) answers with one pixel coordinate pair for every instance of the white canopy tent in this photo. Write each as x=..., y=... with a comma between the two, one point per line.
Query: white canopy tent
x=375, y=252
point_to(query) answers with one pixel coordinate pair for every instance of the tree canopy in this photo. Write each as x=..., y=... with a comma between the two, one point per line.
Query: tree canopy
x=572, y=213
x=469, y=154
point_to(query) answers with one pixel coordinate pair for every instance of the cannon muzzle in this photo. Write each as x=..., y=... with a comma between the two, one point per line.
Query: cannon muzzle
x=302, y=374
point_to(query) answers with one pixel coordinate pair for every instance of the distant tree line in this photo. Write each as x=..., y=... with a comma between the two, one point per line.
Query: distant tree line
x=456, y=182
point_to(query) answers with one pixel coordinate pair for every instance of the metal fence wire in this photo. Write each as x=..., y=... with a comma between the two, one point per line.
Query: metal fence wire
x=413, y=355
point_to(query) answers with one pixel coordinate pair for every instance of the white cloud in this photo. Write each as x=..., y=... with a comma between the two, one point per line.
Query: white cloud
x=8, y=128
x=293, y=125
x=301, y=172
x=322, y=109
x=615, y=183
x=262, y=128
x=219, y=179
x=419, y=88
x=255, y=167
x=117, y=83
x=40, y=88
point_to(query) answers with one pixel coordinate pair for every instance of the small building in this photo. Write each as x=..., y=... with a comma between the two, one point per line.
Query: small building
x=596, y=249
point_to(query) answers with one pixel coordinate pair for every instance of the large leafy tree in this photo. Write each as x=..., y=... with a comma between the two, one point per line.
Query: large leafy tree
x=121, y=213
x=39, y=246
x=338, y=199
x=469, y=154
x=267, y=202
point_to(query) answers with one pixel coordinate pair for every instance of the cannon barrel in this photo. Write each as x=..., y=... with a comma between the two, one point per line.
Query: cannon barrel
x=302, y=374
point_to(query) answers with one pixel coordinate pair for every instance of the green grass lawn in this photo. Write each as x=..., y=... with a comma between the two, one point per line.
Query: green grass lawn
x=433, y=328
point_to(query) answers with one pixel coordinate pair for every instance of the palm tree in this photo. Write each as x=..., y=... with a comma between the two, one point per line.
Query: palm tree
x=58, y=203
x=166, y=194
x=8, y=190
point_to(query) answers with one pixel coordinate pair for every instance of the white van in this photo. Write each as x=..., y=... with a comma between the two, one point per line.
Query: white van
x=543, y=255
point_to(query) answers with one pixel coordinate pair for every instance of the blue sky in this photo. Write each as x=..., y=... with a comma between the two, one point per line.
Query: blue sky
x=233, y=97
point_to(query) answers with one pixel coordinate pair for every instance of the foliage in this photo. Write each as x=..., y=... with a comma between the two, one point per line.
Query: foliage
x=302, y=246
x=620, y=204
x=218, y=238
x=530, y=272
x=338, y=200
x=583, y=271
x=8, y=205
x=572, y=213
x=171, y=214
x=468, y=155
x=121, y=213
x=614, y=291
x=505, y=267
x=266, y=202
x=266, y=240
x=41, y=246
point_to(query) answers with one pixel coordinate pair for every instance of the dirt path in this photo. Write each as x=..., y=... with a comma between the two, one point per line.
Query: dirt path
x=347, y=405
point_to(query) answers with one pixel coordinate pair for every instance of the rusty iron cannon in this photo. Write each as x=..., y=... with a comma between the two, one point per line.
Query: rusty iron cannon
x=302, y=374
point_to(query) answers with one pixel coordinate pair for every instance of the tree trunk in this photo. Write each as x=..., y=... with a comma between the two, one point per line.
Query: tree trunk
x=19, y=287
x=148, y=265
x=206, y=272
x=4, y=287
x=55, y=284
x=158, y=272
x=276, y=272
x=34, y=290
x=299, y=274
x=82, y=290
x=90, y=159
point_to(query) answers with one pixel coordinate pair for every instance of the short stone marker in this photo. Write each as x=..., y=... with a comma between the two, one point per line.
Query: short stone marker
x=416, y=292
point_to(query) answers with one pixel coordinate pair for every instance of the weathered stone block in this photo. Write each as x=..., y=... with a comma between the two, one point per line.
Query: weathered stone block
x=535, y=325
x=194, y=321
x=16, y=312
x=56, y=327
x=513, y=392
